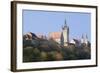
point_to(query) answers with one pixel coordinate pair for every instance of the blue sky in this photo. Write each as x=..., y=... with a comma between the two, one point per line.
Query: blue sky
x=50, y=21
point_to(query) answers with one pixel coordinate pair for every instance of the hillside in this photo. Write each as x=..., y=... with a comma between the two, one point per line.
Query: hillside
x=38, y=49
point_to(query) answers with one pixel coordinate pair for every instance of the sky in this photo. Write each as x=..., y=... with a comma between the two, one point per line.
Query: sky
x=52, y=21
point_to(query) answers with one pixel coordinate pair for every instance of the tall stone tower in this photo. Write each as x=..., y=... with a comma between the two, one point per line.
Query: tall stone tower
x=65, y=35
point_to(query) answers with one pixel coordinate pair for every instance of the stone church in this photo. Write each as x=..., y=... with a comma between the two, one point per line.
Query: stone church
x=61, y=37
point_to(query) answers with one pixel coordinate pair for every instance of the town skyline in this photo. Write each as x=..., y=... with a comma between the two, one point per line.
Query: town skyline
x=45, y=22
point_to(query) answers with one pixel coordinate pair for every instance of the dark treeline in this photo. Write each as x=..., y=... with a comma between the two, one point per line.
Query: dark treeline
x=36, y=50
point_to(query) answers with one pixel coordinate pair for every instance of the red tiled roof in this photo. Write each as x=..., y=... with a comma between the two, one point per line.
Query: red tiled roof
x=55, y=35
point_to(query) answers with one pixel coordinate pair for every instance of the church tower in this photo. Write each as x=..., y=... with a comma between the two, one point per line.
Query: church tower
x=84, y=39
x=65, y=35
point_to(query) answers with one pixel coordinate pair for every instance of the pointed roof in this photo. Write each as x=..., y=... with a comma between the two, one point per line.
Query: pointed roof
x=82, y=36
x=65, y=25
x=86, y=36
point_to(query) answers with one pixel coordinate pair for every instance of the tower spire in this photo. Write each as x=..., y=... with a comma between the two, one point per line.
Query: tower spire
x=86, y=36
x=82, y=36
x=65, y=23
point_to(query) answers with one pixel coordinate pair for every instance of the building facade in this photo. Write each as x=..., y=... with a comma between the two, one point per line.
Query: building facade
x=61, y=37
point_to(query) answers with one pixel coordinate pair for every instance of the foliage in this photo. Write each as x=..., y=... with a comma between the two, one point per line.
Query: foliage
x=48, y=50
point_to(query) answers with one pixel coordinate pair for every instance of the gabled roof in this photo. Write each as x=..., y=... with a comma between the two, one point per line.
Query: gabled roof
x=55, y=35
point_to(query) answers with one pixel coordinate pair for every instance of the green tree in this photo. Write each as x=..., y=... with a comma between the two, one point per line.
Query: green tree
x=43, y=56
